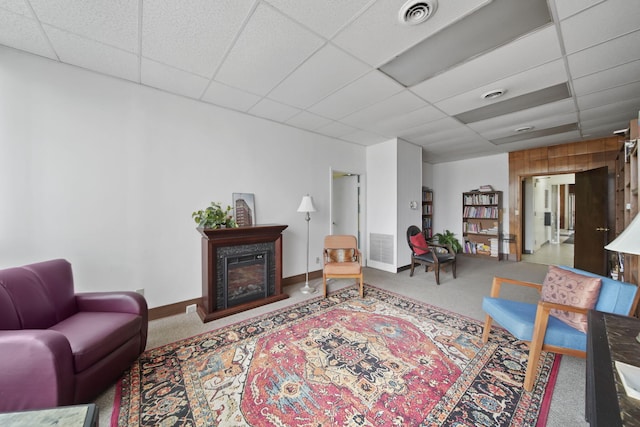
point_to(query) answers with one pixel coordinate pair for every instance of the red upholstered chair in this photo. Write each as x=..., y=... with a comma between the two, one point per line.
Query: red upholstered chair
x=431, y=255
x=58, y=347
x=342, y=260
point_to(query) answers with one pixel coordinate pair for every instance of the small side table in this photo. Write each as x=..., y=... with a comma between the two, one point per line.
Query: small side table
x=610, y=338
x=68, y=416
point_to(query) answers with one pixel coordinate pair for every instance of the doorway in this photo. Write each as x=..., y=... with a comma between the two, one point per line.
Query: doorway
x=345, y=213
x=548, y=219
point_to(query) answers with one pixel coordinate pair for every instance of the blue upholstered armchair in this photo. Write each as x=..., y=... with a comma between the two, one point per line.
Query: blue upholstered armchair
x=534, y=323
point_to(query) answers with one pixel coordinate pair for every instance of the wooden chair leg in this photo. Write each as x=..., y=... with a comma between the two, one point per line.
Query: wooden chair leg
x=361, y=287
x=324, y=284
x=535, y=347
x=412, y=267
x=487, y=329
x=437, y=271
x=453, y=269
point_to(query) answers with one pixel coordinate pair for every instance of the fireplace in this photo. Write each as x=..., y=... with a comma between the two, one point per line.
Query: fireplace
x=245, y=276
x=241, y=269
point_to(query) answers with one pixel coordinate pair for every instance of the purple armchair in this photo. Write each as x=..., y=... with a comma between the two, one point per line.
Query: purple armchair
x=61, y=348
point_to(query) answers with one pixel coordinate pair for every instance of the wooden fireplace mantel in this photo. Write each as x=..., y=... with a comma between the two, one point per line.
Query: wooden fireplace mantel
x=212, y=240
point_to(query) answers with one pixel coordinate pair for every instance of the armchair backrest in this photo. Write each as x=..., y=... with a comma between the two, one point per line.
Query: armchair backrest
x=412, y=231
x=340, y=241
x=36, y=296
x=341, y=248
x=615, y=296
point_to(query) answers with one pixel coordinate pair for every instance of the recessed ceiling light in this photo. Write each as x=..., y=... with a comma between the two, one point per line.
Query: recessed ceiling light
x=493, y=94
x=415, y=12
x=524, y=128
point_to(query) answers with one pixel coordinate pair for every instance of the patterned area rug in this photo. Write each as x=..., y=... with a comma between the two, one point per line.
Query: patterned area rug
x=383, y=360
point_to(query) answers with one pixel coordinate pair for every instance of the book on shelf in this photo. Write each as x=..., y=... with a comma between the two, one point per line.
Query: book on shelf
x=481, y=199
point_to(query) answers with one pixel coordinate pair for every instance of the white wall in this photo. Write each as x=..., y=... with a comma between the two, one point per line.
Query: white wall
x=451, y=179
x=409, y=190
x=382, y=193
x=106, y=173
x=427, y=175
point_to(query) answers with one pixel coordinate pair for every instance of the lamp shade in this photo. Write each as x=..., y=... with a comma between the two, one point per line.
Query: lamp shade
x=306, y=205
x=628, y=241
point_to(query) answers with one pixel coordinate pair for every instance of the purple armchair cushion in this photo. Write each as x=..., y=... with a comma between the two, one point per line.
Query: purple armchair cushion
x=93, y=335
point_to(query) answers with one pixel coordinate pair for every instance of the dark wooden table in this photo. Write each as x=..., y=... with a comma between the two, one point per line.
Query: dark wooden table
x=610, y=338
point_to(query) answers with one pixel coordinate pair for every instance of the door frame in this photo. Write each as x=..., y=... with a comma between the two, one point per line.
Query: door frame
x=362, y=240
x=521, y=203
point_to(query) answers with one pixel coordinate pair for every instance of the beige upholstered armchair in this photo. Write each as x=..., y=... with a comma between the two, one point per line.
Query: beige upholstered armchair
x=342, y=260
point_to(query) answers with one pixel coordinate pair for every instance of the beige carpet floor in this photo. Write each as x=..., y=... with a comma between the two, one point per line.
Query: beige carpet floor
x=462, y=295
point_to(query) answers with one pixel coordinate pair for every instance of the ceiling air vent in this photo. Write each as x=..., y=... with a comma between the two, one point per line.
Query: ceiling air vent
x=415, y=12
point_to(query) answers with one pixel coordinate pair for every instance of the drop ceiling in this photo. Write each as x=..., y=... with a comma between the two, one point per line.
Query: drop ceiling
x=327, y=66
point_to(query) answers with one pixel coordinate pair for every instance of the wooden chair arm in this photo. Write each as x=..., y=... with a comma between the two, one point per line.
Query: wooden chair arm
x=498, y=281
x=548, y=305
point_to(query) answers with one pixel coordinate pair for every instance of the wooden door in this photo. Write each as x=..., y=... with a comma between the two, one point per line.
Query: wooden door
x=591, y=221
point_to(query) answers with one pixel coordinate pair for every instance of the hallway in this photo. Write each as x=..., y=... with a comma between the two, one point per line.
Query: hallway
x=552, y=254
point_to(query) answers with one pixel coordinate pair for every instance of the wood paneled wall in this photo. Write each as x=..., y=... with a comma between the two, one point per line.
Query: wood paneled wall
x=557, y=159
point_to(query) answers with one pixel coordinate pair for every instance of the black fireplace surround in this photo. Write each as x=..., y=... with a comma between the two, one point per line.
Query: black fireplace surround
x=245, y=273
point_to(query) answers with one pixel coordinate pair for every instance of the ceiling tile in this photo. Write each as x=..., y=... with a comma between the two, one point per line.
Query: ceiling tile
x=270, y=47
x=318, y=77
x=390, y=37
x=16, y=6
x=273, y=110
x=192, y=35
x=22, y=33
x=365, y=91
x=225, y=96
x=536, y=133
x=616, y=76
x=567, y=8
x=172, y=80
x=529, y=81
x=433, y=128
x=364, y=138
x=336, y=129
x=396, y=105
x=455, y=135
x=609, y=96
x=605, y=21
x=500, y=63
x=94, y=56
x=309, y=121
x=604, y=56
x=628, y=108
x=543, y=141
x=604, y=124
x=394, y=125
x=324, y=17
x=536, y=125
x=113, y=22
x=604, y=129
x=496, y=24
x=530, y=117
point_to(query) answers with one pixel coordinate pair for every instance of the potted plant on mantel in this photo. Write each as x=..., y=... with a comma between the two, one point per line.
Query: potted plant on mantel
x=214, y=217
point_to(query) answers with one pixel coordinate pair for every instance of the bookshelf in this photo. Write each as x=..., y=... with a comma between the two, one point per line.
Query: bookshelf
x=427, y=212
x=482, y=223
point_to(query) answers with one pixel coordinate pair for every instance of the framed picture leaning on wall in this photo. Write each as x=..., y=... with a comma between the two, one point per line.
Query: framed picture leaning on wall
x=244, y=209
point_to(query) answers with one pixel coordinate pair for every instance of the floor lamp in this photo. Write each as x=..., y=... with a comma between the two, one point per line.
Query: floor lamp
x=628, y=242
x=306, y=206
